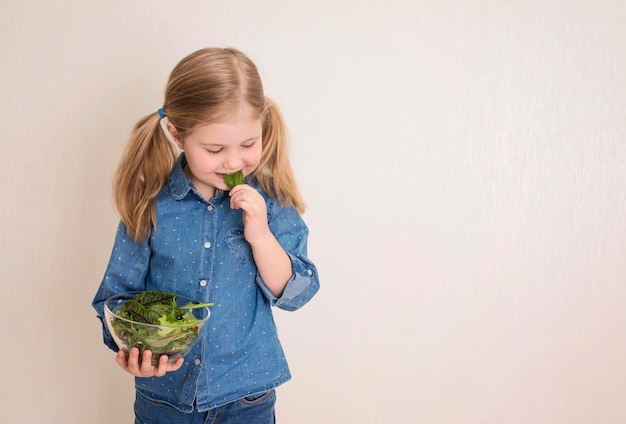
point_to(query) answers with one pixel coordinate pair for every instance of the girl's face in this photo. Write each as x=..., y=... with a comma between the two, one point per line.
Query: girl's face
x=221, y=148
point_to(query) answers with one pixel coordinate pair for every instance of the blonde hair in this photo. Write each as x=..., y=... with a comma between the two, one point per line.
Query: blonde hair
x=206, y=86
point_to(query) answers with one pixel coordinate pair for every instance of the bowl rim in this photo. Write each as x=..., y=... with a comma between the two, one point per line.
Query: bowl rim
x=134, y=293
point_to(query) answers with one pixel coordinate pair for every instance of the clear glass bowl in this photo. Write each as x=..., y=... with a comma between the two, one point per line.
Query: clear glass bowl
x=173, y=340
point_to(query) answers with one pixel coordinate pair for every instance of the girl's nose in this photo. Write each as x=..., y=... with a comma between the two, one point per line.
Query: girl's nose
x=233, y=164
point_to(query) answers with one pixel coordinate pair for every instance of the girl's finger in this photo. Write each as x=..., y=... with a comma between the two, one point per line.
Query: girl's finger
x=133, y=361
x=121, y=359
x=161, y=369
x=177, y=364
x=146, y=364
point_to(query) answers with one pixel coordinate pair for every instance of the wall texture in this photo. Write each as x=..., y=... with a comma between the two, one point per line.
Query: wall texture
x=464, y=168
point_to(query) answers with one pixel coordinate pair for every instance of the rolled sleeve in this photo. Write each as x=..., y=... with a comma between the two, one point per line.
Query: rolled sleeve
x=300, y=288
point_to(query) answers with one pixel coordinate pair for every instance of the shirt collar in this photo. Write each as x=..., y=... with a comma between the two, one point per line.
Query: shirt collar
x=179, y=183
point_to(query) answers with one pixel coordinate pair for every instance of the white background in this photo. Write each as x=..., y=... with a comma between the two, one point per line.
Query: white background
x=463, y=163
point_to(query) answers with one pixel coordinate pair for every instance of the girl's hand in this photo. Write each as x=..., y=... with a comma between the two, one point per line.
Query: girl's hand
x=133, y=366
x=252, y=203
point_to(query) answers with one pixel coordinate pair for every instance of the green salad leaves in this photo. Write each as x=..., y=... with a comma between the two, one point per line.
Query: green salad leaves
x=232, y=180
x=177, y=329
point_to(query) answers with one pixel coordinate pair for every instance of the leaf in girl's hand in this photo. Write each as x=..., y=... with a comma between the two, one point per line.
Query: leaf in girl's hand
x=234, y=179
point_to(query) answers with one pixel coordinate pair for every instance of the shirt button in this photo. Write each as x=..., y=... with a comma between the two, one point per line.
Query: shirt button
x=308, y=271
x=203, y=283
x=197, y=362
x=209, y=208
x=207, y=244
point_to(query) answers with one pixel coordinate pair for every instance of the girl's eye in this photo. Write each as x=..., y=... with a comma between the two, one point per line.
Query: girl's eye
x=214, y=151
x=249, y=145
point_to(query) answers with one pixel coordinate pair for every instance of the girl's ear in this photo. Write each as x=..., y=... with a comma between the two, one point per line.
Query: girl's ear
x=175, y=135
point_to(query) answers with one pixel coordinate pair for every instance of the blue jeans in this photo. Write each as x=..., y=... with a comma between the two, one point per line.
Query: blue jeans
x=258, y=409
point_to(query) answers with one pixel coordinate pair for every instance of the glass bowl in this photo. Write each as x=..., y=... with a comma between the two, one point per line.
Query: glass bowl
x=147, y=329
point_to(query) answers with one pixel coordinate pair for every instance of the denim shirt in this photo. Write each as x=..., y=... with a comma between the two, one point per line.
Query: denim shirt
x=198, y=250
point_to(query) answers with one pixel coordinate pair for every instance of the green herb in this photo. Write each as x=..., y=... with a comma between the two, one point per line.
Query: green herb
x=157, y=308
x=232, y=180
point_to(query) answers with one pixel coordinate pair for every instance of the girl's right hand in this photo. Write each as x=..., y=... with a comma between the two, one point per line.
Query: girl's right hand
x=144, y=368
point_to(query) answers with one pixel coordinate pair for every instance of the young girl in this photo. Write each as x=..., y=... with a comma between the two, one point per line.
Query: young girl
x=183, y=231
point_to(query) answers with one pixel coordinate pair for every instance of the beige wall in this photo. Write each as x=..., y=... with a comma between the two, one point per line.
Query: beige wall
x=464, y=167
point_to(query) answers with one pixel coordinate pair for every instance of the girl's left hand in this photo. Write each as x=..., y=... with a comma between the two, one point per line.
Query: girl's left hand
x=252, y=203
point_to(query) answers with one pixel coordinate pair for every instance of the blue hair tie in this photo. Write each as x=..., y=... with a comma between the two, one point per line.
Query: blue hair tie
x=161, y=113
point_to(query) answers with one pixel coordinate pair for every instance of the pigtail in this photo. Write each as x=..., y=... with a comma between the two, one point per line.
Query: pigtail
x=274, y=172
x=141, y=174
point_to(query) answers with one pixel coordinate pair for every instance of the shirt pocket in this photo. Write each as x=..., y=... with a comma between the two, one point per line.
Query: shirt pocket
x=238, y=246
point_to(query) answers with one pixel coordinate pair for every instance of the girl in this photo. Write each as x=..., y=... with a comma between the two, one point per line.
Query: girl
x=183, y=231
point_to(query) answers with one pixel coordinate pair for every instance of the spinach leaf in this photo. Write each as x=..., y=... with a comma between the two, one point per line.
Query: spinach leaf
x=232, y=180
